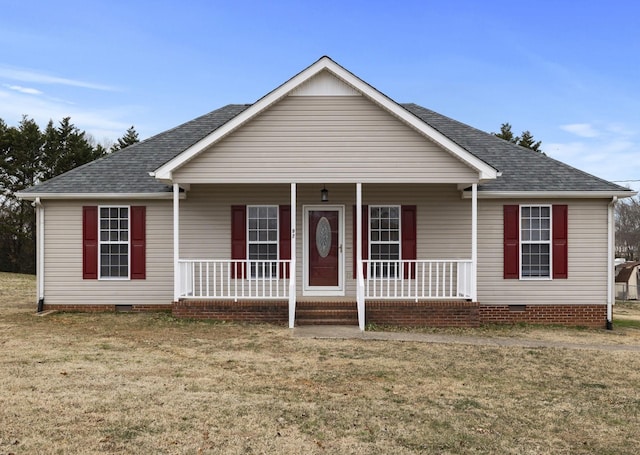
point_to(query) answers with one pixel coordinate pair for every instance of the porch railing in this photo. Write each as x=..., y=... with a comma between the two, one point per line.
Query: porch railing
x=418, y=279
x=234, y=279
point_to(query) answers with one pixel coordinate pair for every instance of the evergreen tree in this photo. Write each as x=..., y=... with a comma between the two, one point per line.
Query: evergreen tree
x=506, y=133
x=65, y=148
x=524, y=140
x=130, y=138
x=20, y=168
x=28, y=156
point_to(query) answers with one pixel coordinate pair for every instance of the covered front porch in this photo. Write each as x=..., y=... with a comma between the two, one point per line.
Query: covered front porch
x=304, y=275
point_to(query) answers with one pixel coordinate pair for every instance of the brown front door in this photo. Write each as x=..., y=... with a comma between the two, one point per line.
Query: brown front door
x=324, y=245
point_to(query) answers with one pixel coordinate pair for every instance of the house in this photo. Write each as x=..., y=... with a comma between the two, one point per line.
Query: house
x=325, y=201
x=627, y=280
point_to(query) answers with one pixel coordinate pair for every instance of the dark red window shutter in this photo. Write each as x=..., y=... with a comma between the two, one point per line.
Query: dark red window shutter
x=90, y=242
x=409, y=238
x=511, y=241
x=284, y=241
x=238, y=239
x=560, y=244
x=138, y=243
x=365, y=239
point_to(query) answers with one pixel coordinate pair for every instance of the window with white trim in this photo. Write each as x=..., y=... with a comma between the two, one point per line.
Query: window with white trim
x=535, y=241
x=113, y=222
x=262, y=240
x=384, y=240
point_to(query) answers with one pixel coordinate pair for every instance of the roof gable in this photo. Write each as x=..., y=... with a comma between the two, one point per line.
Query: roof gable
x=330, y=139
x=325, y=64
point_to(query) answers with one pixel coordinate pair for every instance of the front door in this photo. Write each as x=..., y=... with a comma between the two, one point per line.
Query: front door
x=324, y=250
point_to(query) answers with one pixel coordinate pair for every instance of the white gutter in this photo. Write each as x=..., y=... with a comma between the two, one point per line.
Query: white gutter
x=549, y=194
x=611, y=231
x=40, y=251
x=34, y=196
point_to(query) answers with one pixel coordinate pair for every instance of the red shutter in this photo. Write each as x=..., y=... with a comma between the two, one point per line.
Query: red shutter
x=511, y=241
x=560, y=244
x=90, y=242
x=238, y=238
x=409, y=236
x=365, y=239
x=138, y=243
x=285, y=237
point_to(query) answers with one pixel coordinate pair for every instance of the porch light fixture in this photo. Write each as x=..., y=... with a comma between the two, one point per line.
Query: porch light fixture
x=324, y=194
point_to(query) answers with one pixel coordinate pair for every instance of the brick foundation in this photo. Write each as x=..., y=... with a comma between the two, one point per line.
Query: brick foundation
x=456, y=313
x=592, y=316
x=448, y=313
x=272, y=311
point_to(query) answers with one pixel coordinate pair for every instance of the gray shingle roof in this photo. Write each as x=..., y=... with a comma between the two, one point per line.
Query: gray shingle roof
x=127, y=171
x=522, y=169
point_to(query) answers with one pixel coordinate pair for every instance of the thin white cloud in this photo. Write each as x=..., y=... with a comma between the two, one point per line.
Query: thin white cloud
x=27, y=90
x=581, y=129
x=23, y=75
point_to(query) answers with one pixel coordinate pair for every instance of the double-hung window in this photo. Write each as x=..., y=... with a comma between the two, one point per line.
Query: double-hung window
x=262, y=240
x=384, y=240
x=535, y=241
x=114, y=254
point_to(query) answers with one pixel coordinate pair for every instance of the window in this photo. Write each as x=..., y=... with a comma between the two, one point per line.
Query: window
x=262, y=240
x=114, y=242
x=535, y=241
x=384, y=240
x=113, y=225
x=407, y=241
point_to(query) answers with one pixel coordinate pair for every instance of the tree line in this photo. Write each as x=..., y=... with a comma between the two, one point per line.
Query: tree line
x=29, y=155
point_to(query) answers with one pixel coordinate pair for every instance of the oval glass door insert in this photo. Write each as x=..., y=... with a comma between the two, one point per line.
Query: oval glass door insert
x=323, y=237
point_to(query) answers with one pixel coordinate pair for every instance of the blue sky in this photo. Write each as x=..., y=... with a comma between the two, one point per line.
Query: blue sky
x=567, y=71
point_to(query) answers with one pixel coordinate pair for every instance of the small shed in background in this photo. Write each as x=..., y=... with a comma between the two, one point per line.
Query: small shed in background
x=627, y=275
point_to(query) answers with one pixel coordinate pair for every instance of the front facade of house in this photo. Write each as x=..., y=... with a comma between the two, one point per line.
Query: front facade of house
x=325, y=202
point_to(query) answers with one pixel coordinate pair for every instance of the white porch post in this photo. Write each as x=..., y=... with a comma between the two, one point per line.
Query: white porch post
x=359, y=272
x=176, y=242
x=292, y=266
x=474, y=242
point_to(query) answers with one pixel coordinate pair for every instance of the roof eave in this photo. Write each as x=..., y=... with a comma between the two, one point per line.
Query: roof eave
x=68, y=196
x=550, y=194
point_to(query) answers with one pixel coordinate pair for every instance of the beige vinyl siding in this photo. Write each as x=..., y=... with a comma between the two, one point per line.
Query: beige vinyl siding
x=443, y=218
x=444, y=232
x=63, y=258
x=587, y=253
x=325, y=139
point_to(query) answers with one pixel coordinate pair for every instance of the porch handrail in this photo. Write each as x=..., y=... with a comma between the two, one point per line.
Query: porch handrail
x=234, y=279
x=418, y=279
